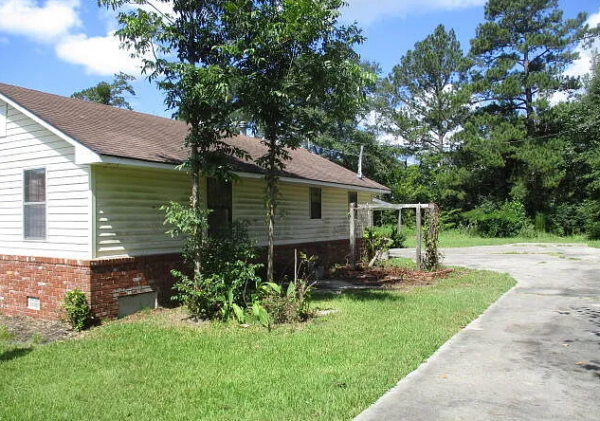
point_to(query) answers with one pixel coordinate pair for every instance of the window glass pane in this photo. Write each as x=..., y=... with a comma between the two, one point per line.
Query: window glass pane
x=35, y=185
x=220, y=201
x=35, y=221
x=34, y=208
x=315, y=203
x=352, y=197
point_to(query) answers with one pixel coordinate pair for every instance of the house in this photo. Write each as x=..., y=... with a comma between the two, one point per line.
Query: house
x=81, y=185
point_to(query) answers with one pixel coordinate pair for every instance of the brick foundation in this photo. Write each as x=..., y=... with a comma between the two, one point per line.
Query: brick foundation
x=114, y=278
x=44, y=278
x=328, y=253
x=105, y=280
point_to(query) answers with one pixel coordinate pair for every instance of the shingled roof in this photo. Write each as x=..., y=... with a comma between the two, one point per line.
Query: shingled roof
x=121, y=133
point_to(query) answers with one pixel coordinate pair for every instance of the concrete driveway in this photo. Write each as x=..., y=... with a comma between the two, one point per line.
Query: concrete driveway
x=533, y=355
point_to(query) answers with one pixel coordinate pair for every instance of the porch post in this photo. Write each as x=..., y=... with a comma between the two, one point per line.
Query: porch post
x=419, y=237
x=353, y=235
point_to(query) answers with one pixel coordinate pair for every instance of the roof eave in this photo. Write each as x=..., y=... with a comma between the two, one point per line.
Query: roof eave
x=107, y=159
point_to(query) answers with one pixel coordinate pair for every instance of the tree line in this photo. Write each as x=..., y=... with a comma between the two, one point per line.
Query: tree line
x=501, y=137
x=500, y=130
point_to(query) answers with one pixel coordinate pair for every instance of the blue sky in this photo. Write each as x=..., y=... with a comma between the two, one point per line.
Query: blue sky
x=62, y=46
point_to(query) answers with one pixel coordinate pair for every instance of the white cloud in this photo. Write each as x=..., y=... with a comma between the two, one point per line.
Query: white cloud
x=366, y=12
x=57, y=23
x=99, y=55
x=42, y=23
x=583, y=65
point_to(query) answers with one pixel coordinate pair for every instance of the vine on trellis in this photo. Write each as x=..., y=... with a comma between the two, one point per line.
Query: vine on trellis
x=432, y=258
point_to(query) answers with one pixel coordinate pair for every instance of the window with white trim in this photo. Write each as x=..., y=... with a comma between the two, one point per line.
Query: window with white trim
x=34, y=204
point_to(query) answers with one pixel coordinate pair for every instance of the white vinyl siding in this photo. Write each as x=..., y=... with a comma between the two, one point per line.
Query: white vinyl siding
x=3, y=110
x=293, y=224
x=27, y=145
x=129, y=221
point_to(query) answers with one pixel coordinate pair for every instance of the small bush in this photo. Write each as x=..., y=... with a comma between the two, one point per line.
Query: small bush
x=228, y=274
x=593, y=231
x=378, y=240
x=289, y=305
x=495, y=221
x=78, y=311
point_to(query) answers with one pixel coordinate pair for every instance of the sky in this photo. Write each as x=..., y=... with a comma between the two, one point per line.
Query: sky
x=64, y=46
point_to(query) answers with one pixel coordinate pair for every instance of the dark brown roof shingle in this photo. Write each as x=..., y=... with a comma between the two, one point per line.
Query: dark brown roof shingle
x=129, y=134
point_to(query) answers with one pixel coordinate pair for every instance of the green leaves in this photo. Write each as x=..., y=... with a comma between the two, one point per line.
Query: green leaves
x=109, y=93
x=427, y=97
x=521, y=52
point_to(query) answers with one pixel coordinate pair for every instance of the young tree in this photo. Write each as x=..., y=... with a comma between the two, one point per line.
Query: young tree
x=109, y=93
x=427, y=95
x=299, y=72
x=180, y=51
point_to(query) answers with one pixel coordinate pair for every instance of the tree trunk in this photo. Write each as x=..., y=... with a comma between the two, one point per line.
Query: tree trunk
x=271, y=251
x=271, y=206
x=528, y=99
x=195, y=202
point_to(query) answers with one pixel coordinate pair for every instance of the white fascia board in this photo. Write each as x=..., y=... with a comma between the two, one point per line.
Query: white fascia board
x=316, y=183
x=83, y=154
x=147, y=164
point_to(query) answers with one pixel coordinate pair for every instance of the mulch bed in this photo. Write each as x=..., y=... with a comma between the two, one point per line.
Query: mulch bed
x=389, y=277
x=27, y=329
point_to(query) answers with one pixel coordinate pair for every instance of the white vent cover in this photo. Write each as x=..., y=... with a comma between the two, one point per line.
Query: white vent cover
x=33, y=303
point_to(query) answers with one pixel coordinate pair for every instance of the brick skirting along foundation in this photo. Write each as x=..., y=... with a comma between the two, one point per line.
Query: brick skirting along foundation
x=24, y=279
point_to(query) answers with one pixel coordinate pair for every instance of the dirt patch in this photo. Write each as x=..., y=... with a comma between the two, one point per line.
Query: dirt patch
x=389, y=277
x=20, y=329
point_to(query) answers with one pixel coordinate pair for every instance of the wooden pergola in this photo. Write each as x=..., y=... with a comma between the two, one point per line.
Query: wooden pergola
x=382, y=206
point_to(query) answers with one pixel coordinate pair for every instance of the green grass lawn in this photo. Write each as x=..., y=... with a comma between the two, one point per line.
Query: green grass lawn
x=456, y=238
x=328, y=369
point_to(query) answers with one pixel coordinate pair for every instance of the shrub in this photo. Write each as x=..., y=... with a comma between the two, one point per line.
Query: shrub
x=378, y=240
x=493, y=220
x=227, y=275
x=593, y=231
x=590, y=213
x=286, y=305
x=274, y=304
x=567, y=219
x=78, y=311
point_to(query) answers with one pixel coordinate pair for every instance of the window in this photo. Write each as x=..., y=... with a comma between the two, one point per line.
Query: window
x=352, y=198
x=220, y=201
x=315, y=203
x=34, y=204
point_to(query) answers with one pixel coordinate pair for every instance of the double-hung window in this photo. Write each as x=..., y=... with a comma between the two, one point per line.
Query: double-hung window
x=34, y=204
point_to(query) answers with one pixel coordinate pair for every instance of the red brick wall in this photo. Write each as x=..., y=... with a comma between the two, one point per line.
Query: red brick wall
x=329, y=253
x=114, y=278
x=105, y=280
x=41, y=277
